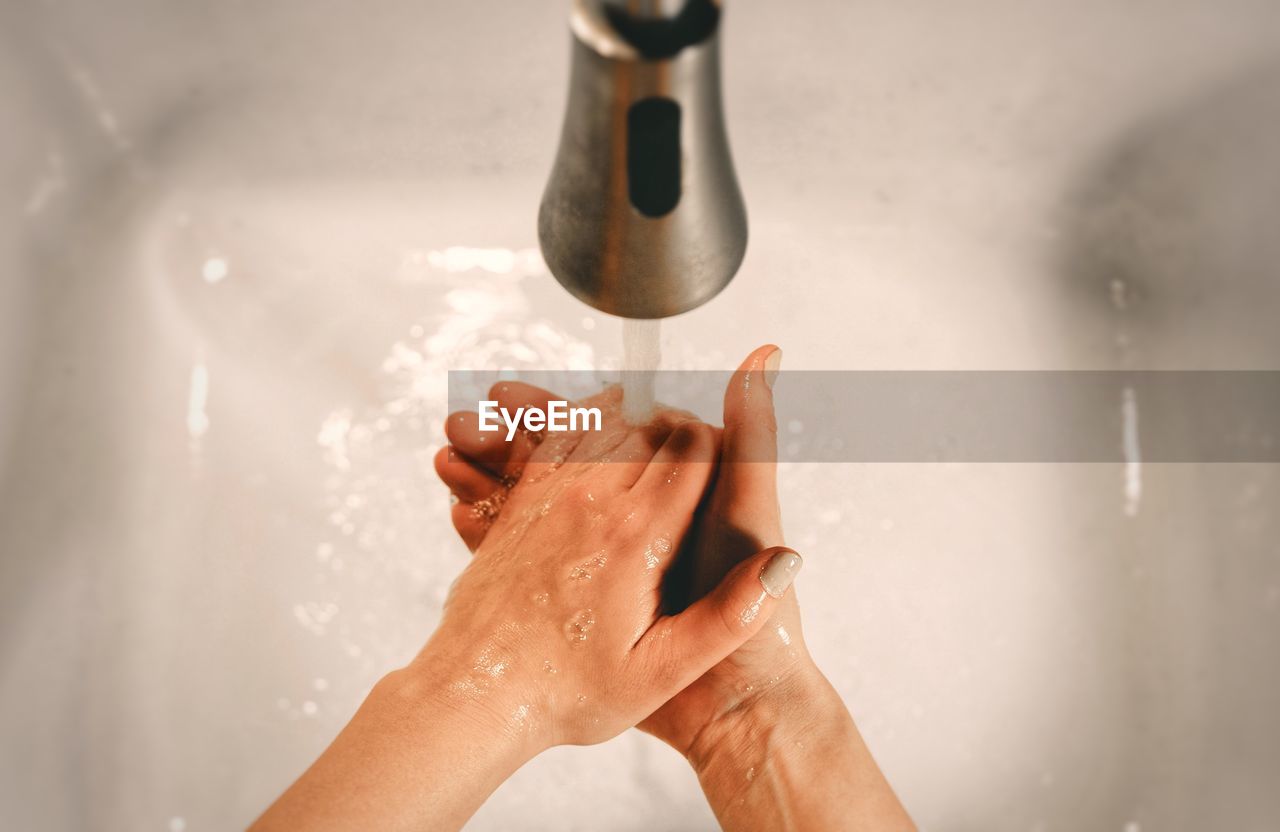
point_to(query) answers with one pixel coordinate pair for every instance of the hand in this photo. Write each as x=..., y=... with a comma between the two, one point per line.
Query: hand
x=555, y=628
x=742, y=518
x=772, y=742
x=741, y=523
x=553, y=634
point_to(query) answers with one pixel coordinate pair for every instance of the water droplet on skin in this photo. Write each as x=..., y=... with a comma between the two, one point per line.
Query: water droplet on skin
x=655, y=551
x=784, y=636
x=751, y=773
x=749, y=614
x=542, y=599
x=583, y=571
x=488, y=508
x=490, y=665
x=548, y=667
x=576, y=628
x=582, y=699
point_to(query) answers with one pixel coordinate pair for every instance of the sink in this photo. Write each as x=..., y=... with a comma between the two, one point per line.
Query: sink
x=251, y=242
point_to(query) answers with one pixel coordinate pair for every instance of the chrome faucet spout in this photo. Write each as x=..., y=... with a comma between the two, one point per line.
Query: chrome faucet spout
x=642, y=216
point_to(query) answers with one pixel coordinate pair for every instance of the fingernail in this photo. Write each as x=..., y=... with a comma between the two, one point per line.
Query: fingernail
x=772, y=365
x=780, y=571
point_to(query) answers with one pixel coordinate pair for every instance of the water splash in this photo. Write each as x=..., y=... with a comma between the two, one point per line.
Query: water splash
x=50, y=184
x=378, y=451
x=214, y=270
x=197, y=402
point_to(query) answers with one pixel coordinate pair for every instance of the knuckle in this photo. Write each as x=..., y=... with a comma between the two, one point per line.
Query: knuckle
x=692, y=439
x=581, y=493
x=664, y=665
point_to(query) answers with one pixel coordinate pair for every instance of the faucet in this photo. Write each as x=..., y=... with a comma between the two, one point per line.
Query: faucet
x=642, y=216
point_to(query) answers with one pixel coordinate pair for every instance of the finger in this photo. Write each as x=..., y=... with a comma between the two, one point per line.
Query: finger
x=472, y=526
x=488, y=448
x=631, y=457
x=595, y=445
x=682, y=467
x=514, y=395
x=467, y=480
x=684, y=646
x=558, y=448
x=750, y=446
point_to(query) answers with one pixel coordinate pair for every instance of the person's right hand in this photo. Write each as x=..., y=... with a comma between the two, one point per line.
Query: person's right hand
x=741, y=518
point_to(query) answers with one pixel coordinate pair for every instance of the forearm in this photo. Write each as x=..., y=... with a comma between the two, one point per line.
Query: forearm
x=793, y=759
x=413, y=757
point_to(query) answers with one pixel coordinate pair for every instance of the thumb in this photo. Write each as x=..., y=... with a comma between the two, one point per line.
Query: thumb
x=723, y=620
x=750, y=451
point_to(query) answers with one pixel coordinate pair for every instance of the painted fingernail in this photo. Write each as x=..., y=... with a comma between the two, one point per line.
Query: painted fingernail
x=780, y=571
x=772, y=365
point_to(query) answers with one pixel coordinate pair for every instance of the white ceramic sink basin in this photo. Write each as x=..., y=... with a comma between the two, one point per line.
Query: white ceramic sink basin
x=247, y=243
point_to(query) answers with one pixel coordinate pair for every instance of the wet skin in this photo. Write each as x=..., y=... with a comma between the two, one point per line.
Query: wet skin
x=745, y=722
x=554, y=634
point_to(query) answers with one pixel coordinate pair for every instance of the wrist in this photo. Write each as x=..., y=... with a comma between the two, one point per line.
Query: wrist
x=501, y=727
x=769, y=722
x=414, y=756
x=792, y=758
